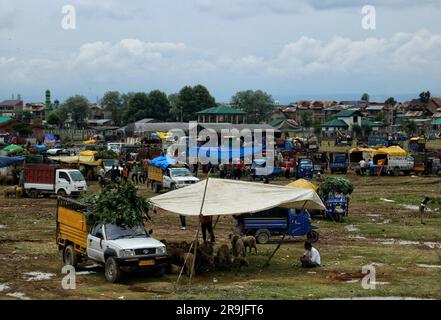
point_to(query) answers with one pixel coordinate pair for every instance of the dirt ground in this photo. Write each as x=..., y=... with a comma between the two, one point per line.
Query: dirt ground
x=383, y=230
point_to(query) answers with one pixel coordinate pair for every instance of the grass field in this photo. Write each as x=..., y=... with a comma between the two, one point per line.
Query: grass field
x=383, y=229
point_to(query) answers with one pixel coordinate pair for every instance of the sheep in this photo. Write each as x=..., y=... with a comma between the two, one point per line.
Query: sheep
x=188, y=258
x=10, y=192
x=223, y=255
x=19, y=192
x=238, y=247
x=250, y=242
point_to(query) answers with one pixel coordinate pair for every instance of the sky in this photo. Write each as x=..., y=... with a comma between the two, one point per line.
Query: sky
x=304, y=49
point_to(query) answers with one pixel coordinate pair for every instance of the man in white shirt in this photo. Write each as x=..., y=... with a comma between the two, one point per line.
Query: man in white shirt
x=363, y=165
x=311, y=258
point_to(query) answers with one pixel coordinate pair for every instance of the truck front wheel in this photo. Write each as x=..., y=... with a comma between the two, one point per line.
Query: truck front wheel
x=62, y=193
x=112, y=270
x=70, y=257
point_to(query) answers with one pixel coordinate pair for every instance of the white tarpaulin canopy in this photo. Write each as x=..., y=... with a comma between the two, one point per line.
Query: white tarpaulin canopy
x=228, y=197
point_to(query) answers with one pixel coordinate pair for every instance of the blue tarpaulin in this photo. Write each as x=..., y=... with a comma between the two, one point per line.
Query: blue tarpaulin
x=223, y=152
x=8, y=161
x=162, y=162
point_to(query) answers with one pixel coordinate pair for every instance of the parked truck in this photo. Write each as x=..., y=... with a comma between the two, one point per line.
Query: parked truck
x=42, y=179
x=171, y=178
x=118, y=248
x=338, y=162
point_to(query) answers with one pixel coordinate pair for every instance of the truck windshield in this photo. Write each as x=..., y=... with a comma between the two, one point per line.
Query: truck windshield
x=111, y=162
x=114, y=232
x=180, y=172
x=305, y=164
x=76, y=176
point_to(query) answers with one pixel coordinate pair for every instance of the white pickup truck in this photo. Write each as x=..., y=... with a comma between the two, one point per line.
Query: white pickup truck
x=48, y=179
x=396, y=164
x=118, y=248
x=171, y=178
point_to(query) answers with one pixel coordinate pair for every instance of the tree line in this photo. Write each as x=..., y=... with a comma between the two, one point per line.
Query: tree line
x=183, y=106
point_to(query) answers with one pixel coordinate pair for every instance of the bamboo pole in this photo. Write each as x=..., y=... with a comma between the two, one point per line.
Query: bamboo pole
x=199, y=227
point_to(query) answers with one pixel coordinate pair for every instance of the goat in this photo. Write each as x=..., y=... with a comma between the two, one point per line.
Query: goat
x=250, y=242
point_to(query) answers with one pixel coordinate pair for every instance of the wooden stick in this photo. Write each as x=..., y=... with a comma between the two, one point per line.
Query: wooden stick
x=199, y=227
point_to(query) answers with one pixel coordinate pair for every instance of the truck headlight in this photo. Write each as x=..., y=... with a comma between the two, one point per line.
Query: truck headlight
x=161, y=250
x=127, y=253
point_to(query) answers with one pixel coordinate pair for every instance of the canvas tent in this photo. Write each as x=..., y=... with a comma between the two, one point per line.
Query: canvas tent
x=228, y=197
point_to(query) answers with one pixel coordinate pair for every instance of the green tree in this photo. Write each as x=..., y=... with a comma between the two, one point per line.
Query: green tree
x=53, y=118
x=365, y=97
x=112, y=102
x=63, y=115
x=78, y=107
x=175, y=110
x=158, y=106
x=259, y=105
x=367, y=129
x=136, y=107
x=194, y=99
x=306, y=120
x=425, y=96
x=379, y=117
x=22, y=129
x=391, y=101
x=356, y=128
x=410, y=127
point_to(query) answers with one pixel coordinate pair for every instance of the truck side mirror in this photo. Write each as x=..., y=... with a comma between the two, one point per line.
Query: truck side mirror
x=99, y=235
x=150, y=231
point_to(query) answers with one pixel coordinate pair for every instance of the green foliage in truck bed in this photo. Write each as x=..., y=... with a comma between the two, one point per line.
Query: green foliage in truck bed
x=117, y=204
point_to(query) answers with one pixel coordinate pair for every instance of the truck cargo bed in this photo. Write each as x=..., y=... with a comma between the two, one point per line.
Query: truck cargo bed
x=72, y=224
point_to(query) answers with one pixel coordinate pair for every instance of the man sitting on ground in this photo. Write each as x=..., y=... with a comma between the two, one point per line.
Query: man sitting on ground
x=311, y=258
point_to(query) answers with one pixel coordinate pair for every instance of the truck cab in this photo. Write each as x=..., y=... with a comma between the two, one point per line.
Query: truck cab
x=175, y=178
x=304, y=168
x=48, y=179
x=339, y=162
x=70, y=183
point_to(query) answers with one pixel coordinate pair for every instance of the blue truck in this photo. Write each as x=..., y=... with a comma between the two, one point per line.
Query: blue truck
x=338, y=162
x=277, y=222
x=304, y=168
x=337, y=207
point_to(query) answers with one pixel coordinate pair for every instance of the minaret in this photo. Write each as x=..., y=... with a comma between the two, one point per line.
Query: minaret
x=48, y=101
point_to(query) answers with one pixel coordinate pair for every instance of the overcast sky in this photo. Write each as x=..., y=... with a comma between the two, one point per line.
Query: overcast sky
x=291, y=49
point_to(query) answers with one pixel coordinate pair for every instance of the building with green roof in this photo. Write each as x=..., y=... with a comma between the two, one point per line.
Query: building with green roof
x=220, y=114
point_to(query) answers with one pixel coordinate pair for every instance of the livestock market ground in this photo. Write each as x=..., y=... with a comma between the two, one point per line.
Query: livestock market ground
x=383, y=229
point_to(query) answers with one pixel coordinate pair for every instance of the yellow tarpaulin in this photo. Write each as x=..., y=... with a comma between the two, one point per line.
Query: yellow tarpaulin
x=90, y=142
x=361, y=150
x=86, y=157
x=303, y=184
x=391, y=151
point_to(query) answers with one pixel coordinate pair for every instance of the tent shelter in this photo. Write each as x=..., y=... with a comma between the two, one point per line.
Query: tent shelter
x=229, y=197
x=217, y=197
x=303, y=184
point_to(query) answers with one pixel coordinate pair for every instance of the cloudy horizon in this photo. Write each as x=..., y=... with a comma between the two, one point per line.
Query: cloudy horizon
x=309, y=49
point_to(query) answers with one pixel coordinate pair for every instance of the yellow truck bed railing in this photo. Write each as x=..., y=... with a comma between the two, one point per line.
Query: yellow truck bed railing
x=154, y=173
x=72, y=227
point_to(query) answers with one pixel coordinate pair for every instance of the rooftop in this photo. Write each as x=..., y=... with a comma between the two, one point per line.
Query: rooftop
x=220, y=110
x=348, y=113
x=335, y=123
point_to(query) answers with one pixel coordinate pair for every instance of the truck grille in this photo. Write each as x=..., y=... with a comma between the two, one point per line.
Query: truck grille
x=144, y=252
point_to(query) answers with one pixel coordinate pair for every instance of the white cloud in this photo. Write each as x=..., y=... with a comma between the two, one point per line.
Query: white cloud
x=402, y=57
